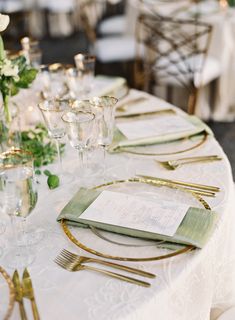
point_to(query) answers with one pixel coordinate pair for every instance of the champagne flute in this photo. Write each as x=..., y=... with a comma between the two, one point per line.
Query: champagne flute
x=18, y=199
x=79, y=125
x=52, y=111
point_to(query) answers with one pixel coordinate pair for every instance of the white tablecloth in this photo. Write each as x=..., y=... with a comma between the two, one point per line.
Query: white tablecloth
x=187, y=287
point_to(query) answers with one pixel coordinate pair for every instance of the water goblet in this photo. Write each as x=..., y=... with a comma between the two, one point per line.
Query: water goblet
x=79, y=127
x=105, y=108
x=18, y=199
x=85, y=64
x=52, y=111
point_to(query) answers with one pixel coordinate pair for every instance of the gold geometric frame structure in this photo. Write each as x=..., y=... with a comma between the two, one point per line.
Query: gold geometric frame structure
x=171, y=50
x=184, y=249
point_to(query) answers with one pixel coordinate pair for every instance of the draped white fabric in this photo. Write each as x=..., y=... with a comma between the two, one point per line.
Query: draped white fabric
x=198, y=286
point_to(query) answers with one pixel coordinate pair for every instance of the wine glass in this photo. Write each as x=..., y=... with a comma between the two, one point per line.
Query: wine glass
x=18, y=197
x=79, y=127
x=92, y=153
x=74, y=83
x=52, y=79
x=105, y=109
x=85, y=64
x=52, y=111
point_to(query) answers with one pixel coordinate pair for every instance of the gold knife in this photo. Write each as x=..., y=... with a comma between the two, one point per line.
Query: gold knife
x=125, y=105
x=142, y=114
x=19, y=294
x=28, y=293
x=182, y=183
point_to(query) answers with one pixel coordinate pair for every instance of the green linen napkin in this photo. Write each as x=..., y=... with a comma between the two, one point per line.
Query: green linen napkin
x=195, y=229
x=120, y=141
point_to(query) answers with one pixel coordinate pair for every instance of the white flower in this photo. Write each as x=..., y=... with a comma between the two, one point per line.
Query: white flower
x=4, y=21
x=8, y=69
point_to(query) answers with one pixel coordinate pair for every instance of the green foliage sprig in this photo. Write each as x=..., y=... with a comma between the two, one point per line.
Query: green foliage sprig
x=37, y=142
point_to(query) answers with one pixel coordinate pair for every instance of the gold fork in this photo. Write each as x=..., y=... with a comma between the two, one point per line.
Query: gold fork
x=174, y=164
x=77, y=266
x=72, y=257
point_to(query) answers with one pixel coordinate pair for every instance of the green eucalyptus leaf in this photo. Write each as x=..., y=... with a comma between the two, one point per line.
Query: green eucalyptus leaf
x=47, y=173
x=53, y=181
x=38, y=172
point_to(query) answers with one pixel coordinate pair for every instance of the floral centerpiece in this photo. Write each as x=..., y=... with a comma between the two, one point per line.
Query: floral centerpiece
x=14, y=73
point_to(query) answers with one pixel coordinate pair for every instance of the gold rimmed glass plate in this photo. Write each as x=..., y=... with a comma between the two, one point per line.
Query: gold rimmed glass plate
x=7, y=295
x=110, y=245
x=169, y=148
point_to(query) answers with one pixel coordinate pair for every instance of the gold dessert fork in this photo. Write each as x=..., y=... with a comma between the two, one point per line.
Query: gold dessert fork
x=174, y=164
x=74, y=265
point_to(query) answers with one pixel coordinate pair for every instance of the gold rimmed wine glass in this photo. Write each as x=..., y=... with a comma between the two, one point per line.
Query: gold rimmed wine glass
x=105, y=111
x=79, y=128
x=53, y=81
x=52, y=111
x=18, y=199
x=85, y=65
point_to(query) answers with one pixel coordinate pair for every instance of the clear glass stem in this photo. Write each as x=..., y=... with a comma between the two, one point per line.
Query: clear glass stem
x=59, y=155
x=104, y=161
x=81, y=158
x=13, y=230
x=23, y=232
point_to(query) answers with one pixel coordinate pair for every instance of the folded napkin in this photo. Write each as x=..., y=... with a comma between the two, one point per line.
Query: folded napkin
x=112, y=86
x=120, y=141
x=195, y=229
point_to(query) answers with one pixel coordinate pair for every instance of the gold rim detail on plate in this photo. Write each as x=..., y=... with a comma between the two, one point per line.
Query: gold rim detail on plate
x=11, y=293
x=185, y=249
x=199, y=144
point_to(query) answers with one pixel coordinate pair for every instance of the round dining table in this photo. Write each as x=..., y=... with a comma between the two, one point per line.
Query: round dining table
x=196, y=285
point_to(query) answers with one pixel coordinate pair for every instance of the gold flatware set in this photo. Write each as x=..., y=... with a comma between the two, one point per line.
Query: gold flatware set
x=73, y=262
x=24, y=289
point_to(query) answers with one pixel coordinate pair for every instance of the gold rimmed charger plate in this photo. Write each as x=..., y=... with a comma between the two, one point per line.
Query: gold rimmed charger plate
x=182, y=250
x=11, y=302
x=137, y=149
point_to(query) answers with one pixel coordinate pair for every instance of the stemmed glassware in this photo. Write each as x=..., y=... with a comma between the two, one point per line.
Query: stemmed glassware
x=79, y=127
x=52, y=111
x=92, y=152
x=105, y=114
x=18, y=197
x=53, y=81
x=74, y=84
x=85, y=65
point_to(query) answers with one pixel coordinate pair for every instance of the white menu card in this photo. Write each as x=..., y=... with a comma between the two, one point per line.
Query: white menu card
x=135, y=212
x=157, y=126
